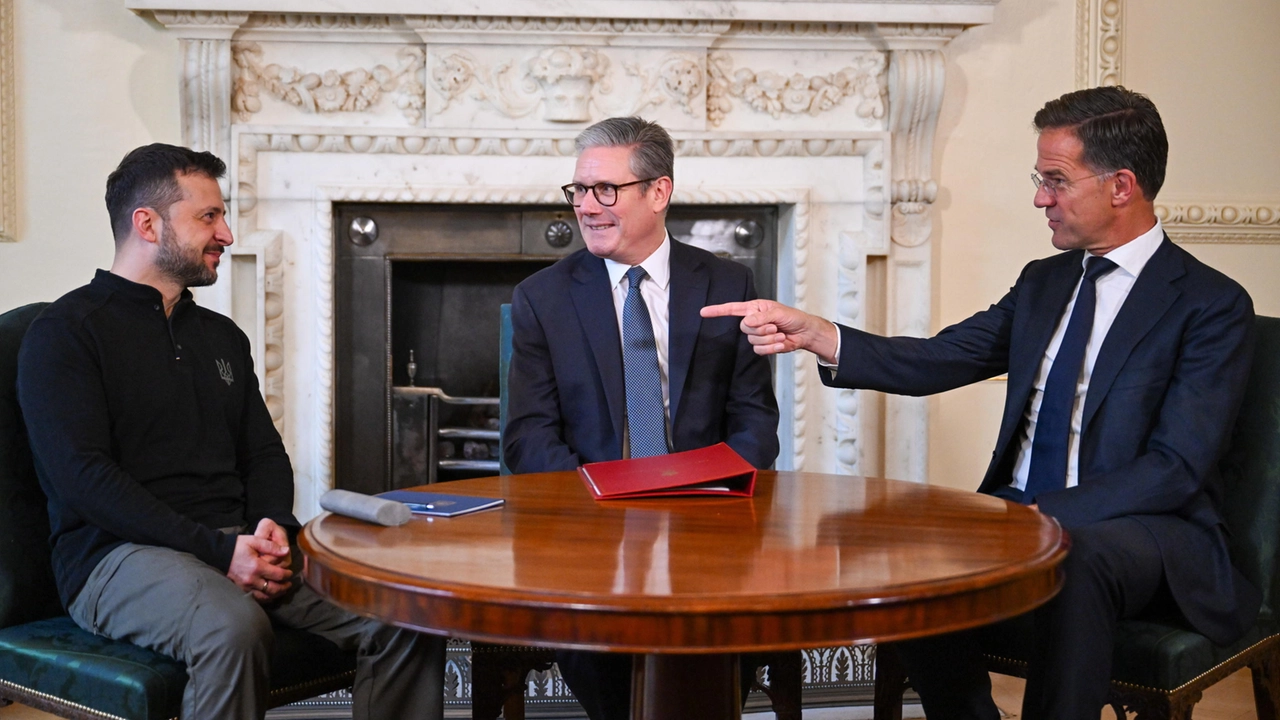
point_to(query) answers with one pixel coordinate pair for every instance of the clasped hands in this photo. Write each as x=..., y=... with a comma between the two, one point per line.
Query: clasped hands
x=773, y=328
x=260, y=564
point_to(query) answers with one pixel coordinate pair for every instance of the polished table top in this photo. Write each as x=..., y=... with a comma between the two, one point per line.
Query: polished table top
x=812, y=559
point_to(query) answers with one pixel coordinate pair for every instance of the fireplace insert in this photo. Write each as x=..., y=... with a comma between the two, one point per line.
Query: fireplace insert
x=417, y=314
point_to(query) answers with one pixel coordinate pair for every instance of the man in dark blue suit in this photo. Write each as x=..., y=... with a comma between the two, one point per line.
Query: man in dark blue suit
x=611, y=359
x=1126, y=360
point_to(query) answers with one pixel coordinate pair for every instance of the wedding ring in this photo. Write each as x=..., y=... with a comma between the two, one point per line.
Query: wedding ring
x=264, y=584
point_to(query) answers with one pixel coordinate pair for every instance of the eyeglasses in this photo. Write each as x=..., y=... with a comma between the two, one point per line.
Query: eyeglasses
x=1053, y=186
x=606, y=193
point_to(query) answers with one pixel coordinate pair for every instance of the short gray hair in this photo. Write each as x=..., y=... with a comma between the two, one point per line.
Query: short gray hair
x=653, y=152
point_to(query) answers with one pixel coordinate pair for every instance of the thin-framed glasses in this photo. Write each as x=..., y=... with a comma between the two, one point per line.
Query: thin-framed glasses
x=1052, y=186
x=606, y=193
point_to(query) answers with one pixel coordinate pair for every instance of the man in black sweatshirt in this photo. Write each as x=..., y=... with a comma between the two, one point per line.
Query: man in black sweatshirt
x=170, y=493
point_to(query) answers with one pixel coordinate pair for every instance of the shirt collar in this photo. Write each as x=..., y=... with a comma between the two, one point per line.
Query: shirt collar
x=657, y=265
x=1133, y=255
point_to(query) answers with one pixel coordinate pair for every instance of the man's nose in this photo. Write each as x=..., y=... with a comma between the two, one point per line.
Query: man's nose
x=223, y=234
x=1044, y=198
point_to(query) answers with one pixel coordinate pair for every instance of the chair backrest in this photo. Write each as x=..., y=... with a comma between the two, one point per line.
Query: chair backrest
x=504, y=364
x=27, y=590
x=1251, y=471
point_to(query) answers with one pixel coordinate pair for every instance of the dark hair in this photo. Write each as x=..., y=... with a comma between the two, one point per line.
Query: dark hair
x=653, y=154
x=1119, y=128
x=148, y=177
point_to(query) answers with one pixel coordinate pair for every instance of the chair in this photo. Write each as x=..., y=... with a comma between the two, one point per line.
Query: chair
x=498, y=672
x=46, y=660
x=1160, y=671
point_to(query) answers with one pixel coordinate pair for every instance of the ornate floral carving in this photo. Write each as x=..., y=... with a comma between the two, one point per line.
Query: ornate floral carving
x=776, y=94
x=8, y=126
x=328, y=91
x=677, y=78
x=568, y=82
x=1220, y=223
x=568, y=78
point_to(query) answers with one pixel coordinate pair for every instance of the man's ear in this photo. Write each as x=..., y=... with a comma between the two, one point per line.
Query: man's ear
x=661, y=194
x=1126, y=189
x=146, y=224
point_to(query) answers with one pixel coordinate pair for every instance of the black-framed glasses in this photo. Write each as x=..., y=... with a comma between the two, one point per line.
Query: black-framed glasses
x=606, y=193
x=1052, y=186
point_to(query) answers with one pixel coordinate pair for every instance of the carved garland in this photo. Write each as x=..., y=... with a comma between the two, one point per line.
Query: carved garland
x=776, y=94
x=328, y=91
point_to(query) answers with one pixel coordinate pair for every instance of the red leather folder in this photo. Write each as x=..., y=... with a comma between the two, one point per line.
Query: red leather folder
x=715, y=470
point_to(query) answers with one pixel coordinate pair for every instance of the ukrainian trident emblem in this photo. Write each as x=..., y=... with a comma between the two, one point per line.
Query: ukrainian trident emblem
x=224, y=371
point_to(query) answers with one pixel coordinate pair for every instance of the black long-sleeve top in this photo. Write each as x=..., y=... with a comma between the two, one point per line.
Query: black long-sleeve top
x=146, y=429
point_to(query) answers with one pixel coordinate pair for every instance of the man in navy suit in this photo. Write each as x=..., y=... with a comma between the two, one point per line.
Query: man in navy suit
x=611, y=359
x=1121, y=445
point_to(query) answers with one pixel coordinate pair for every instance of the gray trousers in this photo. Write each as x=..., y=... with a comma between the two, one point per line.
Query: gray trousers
x=174, y=604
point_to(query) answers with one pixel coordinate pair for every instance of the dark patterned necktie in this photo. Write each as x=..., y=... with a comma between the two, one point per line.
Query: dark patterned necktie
x=1053, y=423
x=646, y=418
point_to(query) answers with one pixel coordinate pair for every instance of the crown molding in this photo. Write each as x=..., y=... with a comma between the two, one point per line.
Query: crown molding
x=1221, y=223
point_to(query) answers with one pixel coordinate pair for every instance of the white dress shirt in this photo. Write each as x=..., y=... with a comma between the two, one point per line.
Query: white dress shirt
x=655, y=289
x=1112, y=290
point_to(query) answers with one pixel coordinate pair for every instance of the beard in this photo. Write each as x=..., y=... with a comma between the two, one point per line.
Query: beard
x=177, y=262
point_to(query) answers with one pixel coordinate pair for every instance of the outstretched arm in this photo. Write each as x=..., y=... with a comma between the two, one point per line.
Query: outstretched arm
x=772, y=328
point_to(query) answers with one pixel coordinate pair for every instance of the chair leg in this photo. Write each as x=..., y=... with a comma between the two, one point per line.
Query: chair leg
x=487, y=700
x=785, y=669
x=891, y=683
x=1266, y=686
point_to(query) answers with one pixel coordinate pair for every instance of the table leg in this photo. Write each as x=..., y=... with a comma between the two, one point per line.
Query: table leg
x=686, y=687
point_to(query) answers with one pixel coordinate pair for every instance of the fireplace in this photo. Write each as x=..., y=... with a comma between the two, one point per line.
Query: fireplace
x=417, y=295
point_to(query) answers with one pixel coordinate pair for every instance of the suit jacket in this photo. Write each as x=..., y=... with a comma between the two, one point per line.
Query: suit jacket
x=1162, y=400
x=566, y=400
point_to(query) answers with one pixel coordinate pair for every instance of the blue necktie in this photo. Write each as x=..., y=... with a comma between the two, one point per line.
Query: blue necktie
x=1053, y=423
x=646, y=418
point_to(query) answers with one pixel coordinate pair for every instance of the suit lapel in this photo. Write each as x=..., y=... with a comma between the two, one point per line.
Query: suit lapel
x=687, y=293
x=1152, y=295
x=1046, y=301
x=593, y=299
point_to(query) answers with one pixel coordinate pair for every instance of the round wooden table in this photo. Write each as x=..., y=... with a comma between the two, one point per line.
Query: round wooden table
x=810, y=560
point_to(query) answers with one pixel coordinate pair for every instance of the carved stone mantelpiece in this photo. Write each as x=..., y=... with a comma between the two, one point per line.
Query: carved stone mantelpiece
x=825, y=109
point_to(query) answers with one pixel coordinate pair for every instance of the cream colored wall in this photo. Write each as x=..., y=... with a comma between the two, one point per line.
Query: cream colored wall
x=93, y=81
x=1211, y=68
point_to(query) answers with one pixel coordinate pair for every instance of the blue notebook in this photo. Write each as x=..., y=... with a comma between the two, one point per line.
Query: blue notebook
x=441, y=504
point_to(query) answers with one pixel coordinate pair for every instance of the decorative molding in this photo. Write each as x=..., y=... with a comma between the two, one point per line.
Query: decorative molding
x=916, y=82
x=8, y=128
x=850, y=304
x=318, y=21
x=206, y=96
x=1194, y=222
x=776, y=94
x=575, y=25
x=1099, y=43
x=566, y=82
x=328, y=91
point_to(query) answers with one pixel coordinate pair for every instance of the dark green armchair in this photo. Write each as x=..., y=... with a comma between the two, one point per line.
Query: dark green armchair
x=46, y=660
x=1160, y=671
